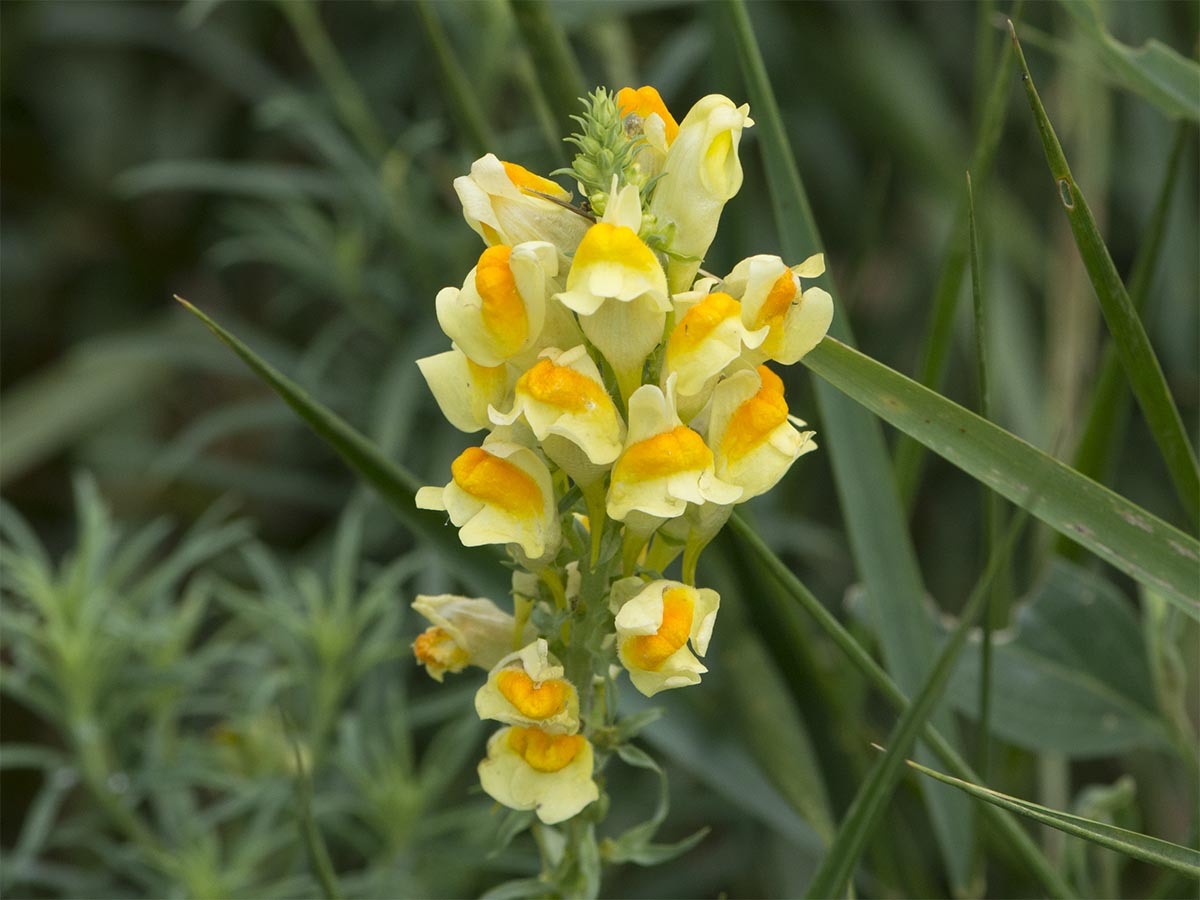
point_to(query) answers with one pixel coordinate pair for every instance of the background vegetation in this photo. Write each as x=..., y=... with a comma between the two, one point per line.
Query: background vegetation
x=207, y=687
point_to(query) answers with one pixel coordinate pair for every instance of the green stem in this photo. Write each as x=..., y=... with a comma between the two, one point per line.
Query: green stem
x=462, y=97
x=552, y=56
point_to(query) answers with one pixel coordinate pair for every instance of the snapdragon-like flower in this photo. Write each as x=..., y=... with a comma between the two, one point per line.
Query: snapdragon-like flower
x=463, y=389
x=500, y=493
x=616, y=443
x=665, y=464
x=527, y=688
x=652, y=121
x=706, y=338
x=753, y=439
x=466, y=631
x=507, y=204
x=528, y=768
x=563, y=399
x=617, y=286
x=501, y=308
x=655, y=622
x=772, y=298
x=701, y=172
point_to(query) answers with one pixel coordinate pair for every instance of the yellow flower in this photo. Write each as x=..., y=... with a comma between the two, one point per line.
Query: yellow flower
x=655, y=622
x=464, y=389
x=466, y=631
x=702, y=171
x=753, y=439
x=706, y=338
x=619, y=290
x=501, y=307
x=563, y=399
x=503, y=204
x=655, y=123
x=665, y=465
x=528, y=688
x=527, y=768
x=500, y=493
x=771, y=298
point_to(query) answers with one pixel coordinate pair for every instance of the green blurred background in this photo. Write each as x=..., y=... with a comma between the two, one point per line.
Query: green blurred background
x=288, y=169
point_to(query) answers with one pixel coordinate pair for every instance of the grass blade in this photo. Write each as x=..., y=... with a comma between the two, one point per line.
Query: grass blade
x=552, y=57
x=869, y=803
x=1109, y=409
x=1149, y=849
x=462, y=99
x=996, y=604
x=1154, y=71
x=862, y=469
x=910, y=455
x=1129, y=336
x=1141, y=545
x=1006, y=826
x=394, y=484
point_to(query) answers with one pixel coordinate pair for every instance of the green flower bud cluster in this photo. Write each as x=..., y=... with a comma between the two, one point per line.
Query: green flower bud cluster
x=605, y=149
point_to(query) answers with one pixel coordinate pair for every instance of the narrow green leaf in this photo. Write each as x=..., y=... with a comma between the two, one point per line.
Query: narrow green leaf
x=1065, y=689
x=867, y=808
x=1129, y=336
x=1149, y=849
x=393, y=483
x=910, y=455
x=463, y=99
x=1012, y=833
x=553, y=58
x=1154, y=71
x=1136, y=542
x=862, y=469
x=1109, y=409
x=996, y=612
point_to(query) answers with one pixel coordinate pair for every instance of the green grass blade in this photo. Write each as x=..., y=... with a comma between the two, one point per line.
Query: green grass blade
x=996, y=611
x=394, y=484
x=910, y=455
x=862, y=469
x=1129, y=336
x=553, y=58
x=1149, y=849
x=1005, y=825
x=1141, y=545
x=1154, y=71
x=462, y=98
x=1109, y=409
x=870, y=802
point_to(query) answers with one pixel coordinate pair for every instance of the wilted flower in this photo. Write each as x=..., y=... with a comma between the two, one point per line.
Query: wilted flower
x=466, y=631
x=507, y=204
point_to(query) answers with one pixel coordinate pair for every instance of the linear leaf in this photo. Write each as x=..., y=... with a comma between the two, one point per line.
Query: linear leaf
x=1136, y=542
x=1129, y=336
x=394, y=484
x=1061, y=688
x=1140, y=846
x=1004, y=823
x=869, y=804
x=862, y=469
x=1154, y=71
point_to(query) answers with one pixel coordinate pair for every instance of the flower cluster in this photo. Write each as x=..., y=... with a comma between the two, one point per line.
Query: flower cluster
x=628, y=408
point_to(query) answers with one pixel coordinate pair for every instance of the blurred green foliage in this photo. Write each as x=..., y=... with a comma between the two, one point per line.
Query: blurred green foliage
x=208, y=710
